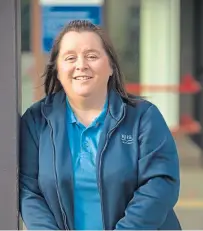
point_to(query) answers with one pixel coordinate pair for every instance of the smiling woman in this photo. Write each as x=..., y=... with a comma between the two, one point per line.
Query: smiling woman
x=93, y=157
x=83, y=66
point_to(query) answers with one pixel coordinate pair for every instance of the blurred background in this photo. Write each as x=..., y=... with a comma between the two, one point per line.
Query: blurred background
x=160, y=48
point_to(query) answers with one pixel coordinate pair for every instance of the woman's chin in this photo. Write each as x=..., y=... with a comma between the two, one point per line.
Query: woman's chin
x=83, y=93
x=82, y=90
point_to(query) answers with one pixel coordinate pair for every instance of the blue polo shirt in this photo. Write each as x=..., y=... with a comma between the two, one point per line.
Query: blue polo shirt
x=83, y=143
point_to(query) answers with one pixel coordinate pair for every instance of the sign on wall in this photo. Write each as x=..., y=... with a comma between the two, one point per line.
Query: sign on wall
x=57, y=13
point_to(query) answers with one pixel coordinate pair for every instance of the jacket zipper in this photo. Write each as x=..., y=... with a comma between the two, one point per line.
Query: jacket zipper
x=100, y=163
x=56, y=183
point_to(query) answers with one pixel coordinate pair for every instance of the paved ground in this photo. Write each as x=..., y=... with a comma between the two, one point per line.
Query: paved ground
x=190, y=205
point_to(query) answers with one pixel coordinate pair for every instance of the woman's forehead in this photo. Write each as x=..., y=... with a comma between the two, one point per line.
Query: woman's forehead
x=88, y=40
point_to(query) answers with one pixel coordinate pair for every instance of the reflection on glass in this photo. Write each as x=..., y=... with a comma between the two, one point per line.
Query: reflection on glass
x=125, y=32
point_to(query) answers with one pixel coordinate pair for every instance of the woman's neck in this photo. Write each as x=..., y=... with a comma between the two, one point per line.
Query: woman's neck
x=87, y=109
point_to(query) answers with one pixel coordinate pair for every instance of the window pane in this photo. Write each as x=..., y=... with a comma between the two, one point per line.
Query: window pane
x=123, y=23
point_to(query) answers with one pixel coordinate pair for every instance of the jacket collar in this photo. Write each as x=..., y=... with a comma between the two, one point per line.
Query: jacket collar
x=55, y=105
x=116, y=105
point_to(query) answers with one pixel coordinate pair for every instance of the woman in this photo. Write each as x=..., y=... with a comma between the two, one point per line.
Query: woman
x=92, y=157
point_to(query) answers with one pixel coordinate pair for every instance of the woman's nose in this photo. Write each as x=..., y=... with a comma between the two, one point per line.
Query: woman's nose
x=81, y=64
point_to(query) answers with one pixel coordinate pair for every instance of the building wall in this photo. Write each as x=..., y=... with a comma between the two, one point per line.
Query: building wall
x=187, y=52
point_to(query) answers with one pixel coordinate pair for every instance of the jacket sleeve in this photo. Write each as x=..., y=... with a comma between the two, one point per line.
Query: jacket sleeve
x=158, y=175
x=33, y=207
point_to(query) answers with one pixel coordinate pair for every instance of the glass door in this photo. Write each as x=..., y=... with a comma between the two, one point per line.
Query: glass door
x=123, y=24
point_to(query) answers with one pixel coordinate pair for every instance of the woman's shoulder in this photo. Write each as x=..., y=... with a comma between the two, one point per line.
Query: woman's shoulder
x=139, y=104
x=36, y=108
x=34, y=112
x=146, y=111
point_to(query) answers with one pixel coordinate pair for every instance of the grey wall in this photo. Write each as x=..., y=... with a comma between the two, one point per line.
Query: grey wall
x=9, y=108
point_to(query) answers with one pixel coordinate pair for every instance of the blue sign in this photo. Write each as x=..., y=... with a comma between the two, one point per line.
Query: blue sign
x=55, y=17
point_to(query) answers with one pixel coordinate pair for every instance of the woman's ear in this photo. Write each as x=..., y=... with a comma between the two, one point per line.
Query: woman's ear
x=111, y=71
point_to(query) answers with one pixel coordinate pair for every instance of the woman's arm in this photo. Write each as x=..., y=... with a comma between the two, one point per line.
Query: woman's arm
x=33, y=207
x=158, y=175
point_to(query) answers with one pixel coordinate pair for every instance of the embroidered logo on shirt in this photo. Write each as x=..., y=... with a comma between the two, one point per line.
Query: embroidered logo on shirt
x=126, y=139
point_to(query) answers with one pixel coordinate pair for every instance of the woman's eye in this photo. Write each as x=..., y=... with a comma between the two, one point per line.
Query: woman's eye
x=71, y=58
x=92, y=57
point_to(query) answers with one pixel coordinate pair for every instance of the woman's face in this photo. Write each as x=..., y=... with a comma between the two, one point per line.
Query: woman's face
x=83, y=65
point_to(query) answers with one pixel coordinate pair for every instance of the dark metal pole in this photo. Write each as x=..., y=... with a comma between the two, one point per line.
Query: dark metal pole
x=10, y=102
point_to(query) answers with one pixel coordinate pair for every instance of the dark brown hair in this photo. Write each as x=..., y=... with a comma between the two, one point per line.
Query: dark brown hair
x=116, y=82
